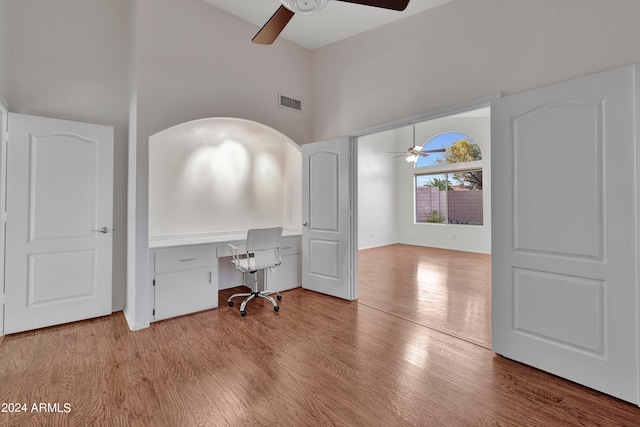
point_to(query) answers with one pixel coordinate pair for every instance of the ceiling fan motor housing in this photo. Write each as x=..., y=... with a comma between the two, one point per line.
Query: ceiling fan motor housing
x=304, y=7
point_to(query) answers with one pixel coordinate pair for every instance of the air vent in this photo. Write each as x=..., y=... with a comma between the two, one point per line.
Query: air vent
x=289, y=103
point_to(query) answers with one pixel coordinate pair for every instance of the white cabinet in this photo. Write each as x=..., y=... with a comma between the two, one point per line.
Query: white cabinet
x=287, y=275
x=187, y=276
x=182, y=292
x=185, y=280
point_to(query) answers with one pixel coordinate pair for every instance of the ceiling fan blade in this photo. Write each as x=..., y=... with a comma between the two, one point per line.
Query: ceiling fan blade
x=385, y=4
x=274, y=26
x=425, y=153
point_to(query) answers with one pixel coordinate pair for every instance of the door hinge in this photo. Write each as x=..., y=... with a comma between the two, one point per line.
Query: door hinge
x=153, y=312
x=154, y=282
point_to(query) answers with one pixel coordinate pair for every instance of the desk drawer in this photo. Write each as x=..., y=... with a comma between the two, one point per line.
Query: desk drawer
x=185, y=259
x=288, y=246
x=291, y=245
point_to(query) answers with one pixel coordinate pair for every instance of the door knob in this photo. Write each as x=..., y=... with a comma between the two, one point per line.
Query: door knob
x=104, y=230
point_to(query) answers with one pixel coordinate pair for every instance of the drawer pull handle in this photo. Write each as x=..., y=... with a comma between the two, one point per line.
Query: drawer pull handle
x=187, y=260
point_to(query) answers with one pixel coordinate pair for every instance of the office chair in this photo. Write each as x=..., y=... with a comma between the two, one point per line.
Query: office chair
x=263, y=251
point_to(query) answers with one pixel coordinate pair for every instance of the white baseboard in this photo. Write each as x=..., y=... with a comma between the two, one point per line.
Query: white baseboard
x=132, y=325
x=377, y=245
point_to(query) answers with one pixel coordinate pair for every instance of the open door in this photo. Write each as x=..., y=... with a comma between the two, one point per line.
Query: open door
x=327, y=246
x=59, y=222
x=564, y=256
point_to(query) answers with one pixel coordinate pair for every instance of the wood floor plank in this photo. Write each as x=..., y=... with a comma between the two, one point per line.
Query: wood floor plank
x=446, y=290
x=319, y=361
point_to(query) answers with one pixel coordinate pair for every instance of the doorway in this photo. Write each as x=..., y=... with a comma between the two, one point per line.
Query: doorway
x=428, y=263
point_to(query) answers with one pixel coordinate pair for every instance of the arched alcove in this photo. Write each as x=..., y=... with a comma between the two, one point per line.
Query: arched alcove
x=222, y=175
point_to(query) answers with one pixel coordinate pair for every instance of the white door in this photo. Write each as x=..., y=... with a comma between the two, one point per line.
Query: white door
x=3, y=169
x=564, y=250
x=59, y=219
x=327, y=259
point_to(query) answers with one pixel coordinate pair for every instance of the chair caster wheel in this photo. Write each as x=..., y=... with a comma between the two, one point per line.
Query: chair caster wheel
x=276, y=309
x=279, y=297
x=243, y=313
x=230, y=303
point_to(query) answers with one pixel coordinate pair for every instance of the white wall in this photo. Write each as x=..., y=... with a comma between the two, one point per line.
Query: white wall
x=195, y=61
x=377, y=189
x=4, y=46
x=67, y=59
x=466, y=49
x=472, y=238
x=222, y=175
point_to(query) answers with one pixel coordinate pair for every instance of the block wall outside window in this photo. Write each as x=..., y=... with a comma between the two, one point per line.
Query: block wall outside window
x=456, y=205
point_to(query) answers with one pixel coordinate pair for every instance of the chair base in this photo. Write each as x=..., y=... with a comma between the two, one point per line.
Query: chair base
x=255, y=294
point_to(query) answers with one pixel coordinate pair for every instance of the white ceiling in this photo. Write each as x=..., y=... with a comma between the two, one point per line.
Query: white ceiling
x=337, y=21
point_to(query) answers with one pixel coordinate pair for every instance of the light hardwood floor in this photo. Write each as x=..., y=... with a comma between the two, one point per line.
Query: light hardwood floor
x=449, y=291
x=320, y=361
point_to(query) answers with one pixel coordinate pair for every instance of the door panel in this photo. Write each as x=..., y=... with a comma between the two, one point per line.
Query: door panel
x=63, y=161
x=324, y=183
x=326, y=233
x=565, y=137
x=564, y=237
x=76, y=269
x=59, y=194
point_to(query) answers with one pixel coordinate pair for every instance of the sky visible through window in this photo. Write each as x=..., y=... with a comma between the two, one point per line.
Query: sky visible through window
x=443, y=140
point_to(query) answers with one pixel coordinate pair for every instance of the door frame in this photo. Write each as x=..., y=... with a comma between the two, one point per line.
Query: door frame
x=637, y=195
x=4, y=136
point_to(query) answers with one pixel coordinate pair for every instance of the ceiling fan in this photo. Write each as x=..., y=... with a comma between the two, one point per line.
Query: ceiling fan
x=415, y=151
x=274, y=26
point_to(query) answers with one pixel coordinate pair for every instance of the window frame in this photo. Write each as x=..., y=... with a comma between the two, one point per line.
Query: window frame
x=448, y=168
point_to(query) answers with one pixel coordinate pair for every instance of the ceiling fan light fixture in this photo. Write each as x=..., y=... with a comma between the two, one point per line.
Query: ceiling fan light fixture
x=304, y=7
x=414, y=151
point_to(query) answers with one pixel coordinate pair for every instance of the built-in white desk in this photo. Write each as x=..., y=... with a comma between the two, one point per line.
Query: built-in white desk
x=188, y=270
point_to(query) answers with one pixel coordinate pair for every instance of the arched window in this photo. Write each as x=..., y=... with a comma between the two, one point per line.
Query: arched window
x=435, y=149
x=448, y=180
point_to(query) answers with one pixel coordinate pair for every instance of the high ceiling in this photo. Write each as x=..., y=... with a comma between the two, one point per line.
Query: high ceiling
x=337, y=21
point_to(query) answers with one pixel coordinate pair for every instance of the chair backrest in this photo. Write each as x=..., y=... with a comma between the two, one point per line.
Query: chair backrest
x=264, y=245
